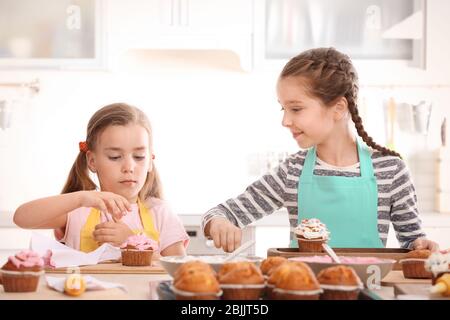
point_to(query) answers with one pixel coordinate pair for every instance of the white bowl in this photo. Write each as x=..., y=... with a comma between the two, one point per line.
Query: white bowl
x=370, y=274
x=171, y=263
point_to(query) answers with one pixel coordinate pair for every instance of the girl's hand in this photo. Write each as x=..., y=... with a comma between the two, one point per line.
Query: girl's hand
x=114, y=233
x=225, y=234
x=109, y=202
x=423, y=243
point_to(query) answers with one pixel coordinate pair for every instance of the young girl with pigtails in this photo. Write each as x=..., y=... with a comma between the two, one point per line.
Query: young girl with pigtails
x=128, y=200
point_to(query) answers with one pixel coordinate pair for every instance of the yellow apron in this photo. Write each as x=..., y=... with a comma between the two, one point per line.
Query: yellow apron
x=87, y=242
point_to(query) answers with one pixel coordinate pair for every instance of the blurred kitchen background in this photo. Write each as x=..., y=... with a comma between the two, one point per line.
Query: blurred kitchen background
x=204, y=71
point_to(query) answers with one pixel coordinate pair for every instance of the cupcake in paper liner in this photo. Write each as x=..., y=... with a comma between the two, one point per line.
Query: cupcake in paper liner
x=21, y=273
x=295, y=281
x=241, y=281
x=311, y=234
x=413, y=265
x=339, y=283
x=138, y=250
x=438, y=263
x=197, y=284
x=267, y=267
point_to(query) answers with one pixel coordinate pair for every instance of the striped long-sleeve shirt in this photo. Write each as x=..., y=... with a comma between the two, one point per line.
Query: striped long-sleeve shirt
x=397, y=200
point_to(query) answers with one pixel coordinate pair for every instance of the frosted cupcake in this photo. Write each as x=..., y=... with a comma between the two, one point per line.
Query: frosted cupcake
x=137, y=250
x=311, y=234
x=21, y=272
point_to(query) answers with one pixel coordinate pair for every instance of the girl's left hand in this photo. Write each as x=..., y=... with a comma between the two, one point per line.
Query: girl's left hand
x=423, y=243
x=114, y=233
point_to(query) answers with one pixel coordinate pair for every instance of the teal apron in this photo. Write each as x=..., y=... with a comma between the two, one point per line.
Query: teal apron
x=347, y=205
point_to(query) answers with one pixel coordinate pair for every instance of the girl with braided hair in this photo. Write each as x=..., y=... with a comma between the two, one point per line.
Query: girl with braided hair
x=352, y=184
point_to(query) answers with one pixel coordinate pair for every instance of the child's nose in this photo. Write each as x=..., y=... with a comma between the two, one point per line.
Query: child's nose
x=286, y=121
x=128, y=165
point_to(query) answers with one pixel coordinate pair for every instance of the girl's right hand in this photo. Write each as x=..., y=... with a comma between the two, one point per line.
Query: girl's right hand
x=109, y=202
x=225, y=234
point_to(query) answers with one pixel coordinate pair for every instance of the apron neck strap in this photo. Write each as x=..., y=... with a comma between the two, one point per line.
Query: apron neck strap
x=365, y=161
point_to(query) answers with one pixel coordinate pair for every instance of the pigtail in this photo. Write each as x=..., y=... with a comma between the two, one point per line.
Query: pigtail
x=78, y=178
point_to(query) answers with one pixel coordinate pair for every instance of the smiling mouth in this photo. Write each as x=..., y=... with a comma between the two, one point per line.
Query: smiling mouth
x=296, y=134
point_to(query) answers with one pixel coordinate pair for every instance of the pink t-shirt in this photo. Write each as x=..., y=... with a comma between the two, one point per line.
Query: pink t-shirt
x=168, y=224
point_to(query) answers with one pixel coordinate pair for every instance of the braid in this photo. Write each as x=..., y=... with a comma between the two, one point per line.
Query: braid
x=364, y=135
x=330, y=75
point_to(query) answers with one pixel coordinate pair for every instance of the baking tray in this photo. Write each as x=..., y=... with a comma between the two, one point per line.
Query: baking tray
x=382, y=253
x=165, y=292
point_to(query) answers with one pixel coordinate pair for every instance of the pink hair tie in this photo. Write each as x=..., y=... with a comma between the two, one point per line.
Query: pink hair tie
x=83, y=146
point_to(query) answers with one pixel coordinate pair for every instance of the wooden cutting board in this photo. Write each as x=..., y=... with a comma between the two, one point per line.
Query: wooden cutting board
x=396, y=277
x=416, y=291
x=155, y=268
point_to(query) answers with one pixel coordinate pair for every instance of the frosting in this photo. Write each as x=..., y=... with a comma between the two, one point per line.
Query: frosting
x=27, y=259
x=140, y=242
x=312, y=229
x=48, y=262
x=438, y=262
x=349, y=260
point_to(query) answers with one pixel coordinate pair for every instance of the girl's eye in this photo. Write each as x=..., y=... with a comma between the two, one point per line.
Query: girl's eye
x=114, y=158
x=139, y=158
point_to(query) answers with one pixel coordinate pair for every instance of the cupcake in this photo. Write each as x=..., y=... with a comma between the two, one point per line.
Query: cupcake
x=241, y=281
x=413, y=265
x=295, y=281
x=269, y=264
x=438, y=263
x=197, y=284
x=137, y=250
x=311, y=234
x=186, y=267
x=22, y=271
x=339, y=283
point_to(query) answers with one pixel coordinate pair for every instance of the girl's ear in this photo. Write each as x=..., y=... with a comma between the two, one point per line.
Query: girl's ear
x=340, y=109
x=90, y=158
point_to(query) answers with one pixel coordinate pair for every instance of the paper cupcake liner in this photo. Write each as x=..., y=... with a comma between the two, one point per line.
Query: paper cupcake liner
x=332, y=292
x=21, y=273
x=20, y=281
x=188, y=295
x=134, y=257
x=242, y=291
x=283, y=294
x=310, y=245
x=415, y=269
x=341, y=287
x=242, y=286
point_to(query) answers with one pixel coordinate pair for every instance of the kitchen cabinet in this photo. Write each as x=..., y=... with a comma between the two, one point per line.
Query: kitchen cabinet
x=182, y=24
x=366, y=30
x=34, y=34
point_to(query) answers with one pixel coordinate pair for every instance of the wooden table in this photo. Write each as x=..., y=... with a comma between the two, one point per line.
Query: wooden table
x=143, y=286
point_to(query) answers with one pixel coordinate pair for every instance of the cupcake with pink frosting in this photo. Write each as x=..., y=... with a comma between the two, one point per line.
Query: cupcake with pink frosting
x=137, y=250
x=21, y=272
x=311, y=234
